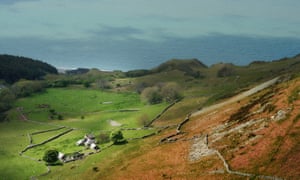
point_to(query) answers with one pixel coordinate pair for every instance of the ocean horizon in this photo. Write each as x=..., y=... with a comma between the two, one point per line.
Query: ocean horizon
x=137, y=54
x=134, y=54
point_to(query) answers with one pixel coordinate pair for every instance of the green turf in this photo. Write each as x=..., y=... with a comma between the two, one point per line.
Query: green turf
x=88, y=111
x=76, y=103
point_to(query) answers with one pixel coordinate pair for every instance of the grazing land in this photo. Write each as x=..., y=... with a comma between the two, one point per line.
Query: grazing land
x=87, y=111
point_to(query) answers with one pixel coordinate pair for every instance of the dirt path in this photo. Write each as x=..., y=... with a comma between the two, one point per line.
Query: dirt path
x=238, y=97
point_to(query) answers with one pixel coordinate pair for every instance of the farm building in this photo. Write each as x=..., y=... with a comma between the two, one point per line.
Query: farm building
x=88, y=141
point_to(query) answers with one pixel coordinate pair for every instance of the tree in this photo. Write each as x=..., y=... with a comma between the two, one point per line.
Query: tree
x=103, y=138
x=117, y=137
x=6, y=100
x=87, y=84
x=171, y=92
x=103, y=84
x=50, y=156
x=25, y=88
x=226, y=71
x=140, y=87
x=14, y=68
x=152, y=95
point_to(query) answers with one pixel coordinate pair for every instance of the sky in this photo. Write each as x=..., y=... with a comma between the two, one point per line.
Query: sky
x=134, y=34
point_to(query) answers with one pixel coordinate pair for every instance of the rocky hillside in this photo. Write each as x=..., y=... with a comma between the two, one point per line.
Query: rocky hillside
x=252, y=137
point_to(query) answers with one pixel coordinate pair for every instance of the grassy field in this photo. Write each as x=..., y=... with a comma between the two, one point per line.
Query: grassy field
x=88, y=111
x=13, y=138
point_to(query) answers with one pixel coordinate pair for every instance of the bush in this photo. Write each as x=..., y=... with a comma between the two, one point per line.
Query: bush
x=51, y=156
x=171, y=92
x=87, y=84
x=60, y=117
x=103, y=84
x=24, y=88
x=225, y=71
x=140, y=87
x=152, y=95
x=103, y=138
x=7, y=99
x=168, y=92
x=117, y=137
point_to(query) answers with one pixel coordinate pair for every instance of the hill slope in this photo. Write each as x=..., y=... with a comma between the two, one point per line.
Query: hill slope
x=13, y=68
x=257, y=137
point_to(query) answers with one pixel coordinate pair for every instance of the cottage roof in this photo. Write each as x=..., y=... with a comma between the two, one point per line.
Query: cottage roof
x=90, y=136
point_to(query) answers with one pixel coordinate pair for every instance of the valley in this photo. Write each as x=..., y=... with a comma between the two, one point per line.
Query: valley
x=180, y=120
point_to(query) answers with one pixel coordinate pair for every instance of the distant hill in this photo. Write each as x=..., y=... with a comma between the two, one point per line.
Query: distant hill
x=189, y=67
x=13, y=68
x=77, y=71
x=180, y=64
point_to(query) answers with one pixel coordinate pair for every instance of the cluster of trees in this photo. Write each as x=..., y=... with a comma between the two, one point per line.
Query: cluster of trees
x=168, y=92
x=22, y=88
x=116, y=137
x=14, y=68
x=226, y=71
x=55, y=115
x=26, y=88
x=6, y=100
x=20, y=77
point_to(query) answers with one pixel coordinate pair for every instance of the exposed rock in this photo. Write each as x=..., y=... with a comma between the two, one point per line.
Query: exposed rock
x=199, y=149
x=280, y=115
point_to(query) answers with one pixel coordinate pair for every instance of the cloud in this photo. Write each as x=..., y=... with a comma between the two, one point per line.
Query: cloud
x=107, y=31
x=9, y=2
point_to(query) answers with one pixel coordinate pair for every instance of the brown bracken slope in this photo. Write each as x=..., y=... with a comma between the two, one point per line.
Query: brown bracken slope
x=253, y=138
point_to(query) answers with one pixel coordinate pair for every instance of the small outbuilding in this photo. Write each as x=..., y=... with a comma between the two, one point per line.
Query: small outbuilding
x=61, y=156
x=94, y=146
x=80, y=142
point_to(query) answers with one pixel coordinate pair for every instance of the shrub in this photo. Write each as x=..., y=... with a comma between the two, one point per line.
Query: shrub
x=24, y=88
x=87, y=84
x=51, y=156
x=225, y=71
x=60, y=117
x=117, y=137
x=103, y=138
x=152, y=95
x=171, y=92
x=6, y=100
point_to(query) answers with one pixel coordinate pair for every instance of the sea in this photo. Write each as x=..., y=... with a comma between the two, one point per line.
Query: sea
x=131, y=54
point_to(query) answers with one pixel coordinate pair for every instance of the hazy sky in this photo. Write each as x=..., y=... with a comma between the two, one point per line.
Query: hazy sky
x=127, y=34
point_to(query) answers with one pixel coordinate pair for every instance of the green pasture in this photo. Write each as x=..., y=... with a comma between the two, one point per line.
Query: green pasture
x=87, y=111
x=76, y=103
x=13, y=139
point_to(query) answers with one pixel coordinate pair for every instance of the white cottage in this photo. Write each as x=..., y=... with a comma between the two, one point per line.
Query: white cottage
x=61, y=156
x=80, y=142
x=94, y=146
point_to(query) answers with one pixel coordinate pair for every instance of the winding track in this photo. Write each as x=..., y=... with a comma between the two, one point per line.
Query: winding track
x=238, y=97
